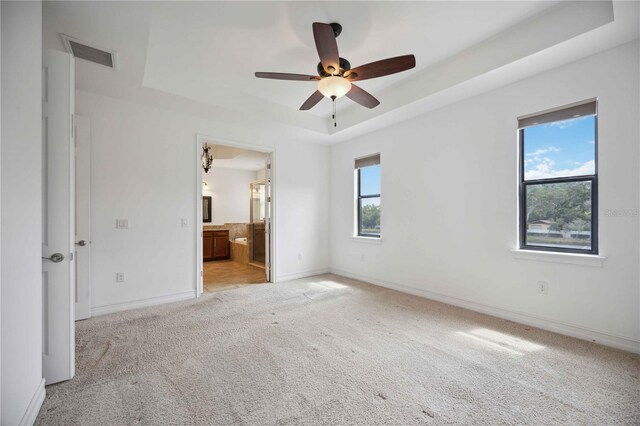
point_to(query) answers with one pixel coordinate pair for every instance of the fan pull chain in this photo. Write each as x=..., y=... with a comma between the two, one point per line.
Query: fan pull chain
x=333, y=99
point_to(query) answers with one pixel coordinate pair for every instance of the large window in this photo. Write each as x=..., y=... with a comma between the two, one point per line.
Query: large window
x=367, y=174
x=559, y=180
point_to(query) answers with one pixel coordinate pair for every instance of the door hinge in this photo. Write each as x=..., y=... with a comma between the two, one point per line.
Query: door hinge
x=201, y=274
x=268, y=166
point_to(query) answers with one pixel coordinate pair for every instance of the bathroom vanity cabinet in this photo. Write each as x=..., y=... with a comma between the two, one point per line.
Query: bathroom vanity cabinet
x=215, y=245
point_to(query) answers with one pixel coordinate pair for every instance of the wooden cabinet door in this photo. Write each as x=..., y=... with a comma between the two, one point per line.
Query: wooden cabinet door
x=207, y=245
x=221, y=246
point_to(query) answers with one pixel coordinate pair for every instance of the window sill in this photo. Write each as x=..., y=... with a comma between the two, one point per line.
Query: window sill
x=555, y=257
x=367, y=240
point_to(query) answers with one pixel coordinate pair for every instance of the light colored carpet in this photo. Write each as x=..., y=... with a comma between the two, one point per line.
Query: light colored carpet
x=328, y=350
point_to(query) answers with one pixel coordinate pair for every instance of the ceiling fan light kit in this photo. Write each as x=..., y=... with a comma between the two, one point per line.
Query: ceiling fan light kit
x=334, y=87
x=335, y=75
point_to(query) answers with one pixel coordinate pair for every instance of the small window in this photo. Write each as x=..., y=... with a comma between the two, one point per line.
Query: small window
x=559, y=180
x=367, y=175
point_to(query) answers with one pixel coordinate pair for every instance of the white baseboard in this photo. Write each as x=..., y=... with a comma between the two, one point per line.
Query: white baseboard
x=34, y=406
x=296, y=275
x=142, y=303
x=573, y=330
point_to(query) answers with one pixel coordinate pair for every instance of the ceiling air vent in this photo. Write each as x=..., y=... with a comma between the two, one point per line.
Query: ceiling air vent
x=82, y=50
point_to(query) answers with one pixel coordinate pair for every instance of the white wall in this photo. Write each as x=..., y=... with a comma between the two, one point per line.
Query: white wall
x=144, y=169
x=21, y=334
x=229, y=189
x=449, y=201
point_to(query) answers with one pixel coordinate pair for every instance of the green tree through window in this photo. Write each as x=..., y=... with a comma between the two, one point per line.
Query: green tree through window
x=558, y=180
x=371, y=219
x=368, y=197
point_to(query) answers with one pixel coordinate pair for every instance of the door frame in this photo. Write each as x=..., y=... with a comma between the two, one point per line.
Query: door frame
x=200, y=140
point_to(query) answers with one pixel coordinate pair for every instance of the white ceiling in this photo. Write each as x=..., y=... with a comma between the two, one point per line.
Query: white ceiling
x=202, y=55
x=228, y=157
x=227, y=43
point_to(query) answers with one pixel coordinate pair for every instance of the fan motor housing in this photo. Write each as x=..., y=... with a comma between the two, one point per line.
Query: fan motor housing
x=337, y=29
x=344, y=66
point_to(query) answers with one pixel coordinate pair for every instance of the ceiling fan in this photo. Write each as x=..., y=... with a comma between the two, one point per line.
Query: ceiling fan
x=335, y=75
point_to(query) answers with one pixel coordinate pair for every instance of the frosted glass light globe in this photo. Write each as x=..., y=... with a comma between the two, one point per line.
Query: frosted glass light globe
x=334, y=86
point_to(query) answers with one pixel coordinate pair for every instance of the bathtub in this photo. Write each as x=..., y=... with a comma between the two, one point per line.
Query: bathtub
x=240, y=250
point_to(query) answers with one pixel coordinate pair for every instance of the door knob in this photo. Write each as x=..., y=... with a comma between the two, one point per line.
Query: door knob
x=55, y=257
x=82, y=243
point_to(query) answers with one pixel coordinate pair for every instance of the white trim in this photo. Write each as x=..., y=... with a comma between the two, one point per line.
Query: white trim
x=142, y=303
x=304, y=274
x=366, y=240
x=585, y=333
x=557, y=257
x=197, y=224
x=245, y=145
x=34, y=406
x=200, y=139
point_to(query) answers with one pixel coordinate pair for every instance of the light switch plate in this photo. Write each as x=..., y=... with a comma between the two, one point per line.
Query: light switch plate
x=185, y=222
x=122, y=223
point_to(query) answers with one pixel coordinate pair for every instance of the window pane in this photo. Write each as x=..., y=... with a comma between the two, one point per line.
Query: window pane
x=559, y=215
x=560, y=149
x=370, y=216
x=370, y=180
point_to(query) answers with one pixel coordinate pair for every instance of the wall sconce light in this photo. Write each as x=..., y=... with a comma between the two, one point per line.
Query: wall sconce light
x=207, y=158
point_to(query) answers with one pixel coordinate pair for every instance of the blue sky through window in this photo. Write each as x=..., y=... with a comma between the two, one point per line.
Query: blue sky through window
x=370, y=180
x=560, y=149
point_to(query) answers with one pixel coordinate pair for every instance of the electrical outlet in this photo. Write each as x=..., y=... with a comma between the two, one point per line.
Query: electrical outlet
x=184, y=222
x=120, y=277
x=299, y=256
x=362, y=258
x=543, y=287
x=122, y=223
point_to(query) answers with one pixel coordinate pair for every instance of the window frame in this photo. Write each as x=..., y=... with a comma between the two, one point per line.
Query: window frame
x=359, y=199
x=522, y=197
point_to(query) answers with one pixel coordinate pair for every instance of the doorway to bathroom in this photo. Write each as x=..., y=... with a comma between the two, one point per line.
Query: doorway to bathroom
x=235, y=215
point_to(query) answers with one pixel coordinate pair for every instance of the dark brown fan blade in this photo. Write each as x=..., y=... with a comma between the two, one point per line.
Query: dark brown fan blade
x=362, y=97
x=326, y=46
x=382, y=68
x=312, y=101
x=285, y=76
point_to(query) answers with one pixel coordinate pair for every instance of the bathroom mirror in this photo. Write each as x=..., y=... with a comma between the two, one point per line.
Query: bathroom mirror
x=206, y=209
x=258, y=202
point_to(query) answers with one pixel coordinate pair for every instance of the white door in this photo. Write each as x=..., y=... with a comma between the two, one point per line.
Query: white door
x=58, y=266
x=267, y=219
x=83, y=217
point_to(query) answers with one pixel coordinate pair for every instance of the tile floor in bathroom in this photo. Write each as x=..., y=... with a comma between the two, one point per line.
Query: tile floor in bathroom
x=227, y=274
